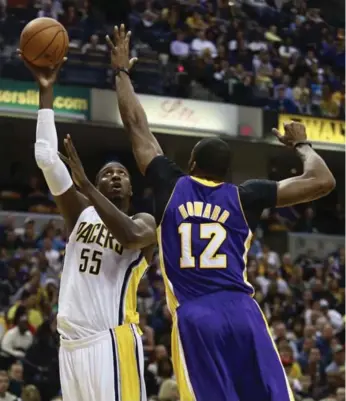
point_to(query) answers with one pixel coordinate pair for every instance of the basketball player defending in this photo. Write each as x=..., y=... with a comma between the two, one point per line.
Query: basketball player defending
x=101, y=356
x=221, y=346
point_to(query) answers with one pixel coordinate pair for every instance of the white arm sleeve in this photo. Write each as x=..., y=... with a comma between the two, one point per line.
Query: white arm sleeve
x=46, y=154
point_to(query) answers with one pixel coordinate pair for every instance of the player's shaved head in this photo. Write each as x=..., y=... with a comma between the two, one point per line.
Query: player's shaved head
x=210, y=158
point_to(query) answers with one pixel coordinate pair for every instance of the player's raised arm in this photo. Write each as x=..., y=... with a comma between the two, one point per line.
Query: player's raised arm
x=316, y=180
x=133, y=233
x=70, y=202
x=144, y=144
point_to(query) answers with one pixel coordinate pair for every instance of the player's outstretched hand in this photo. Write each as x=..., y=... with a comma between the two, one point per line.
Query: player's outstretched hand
x=45, y=76
x=73, y=161
x=120, y=48
x=294, y=133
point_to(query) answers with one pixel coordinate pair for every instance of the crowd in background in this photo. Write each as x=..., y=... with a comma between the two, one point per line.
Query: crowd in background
x=282, y=55
x=303, y=300
x=326, y=216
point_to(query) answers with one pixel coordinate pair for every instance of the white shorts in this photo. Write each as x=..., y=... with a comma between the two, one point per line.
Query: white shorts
x=108, y=366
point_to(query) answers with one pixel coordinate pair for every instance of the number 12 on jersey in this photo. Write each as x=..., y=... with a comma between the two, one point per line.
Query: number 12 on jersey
x=209, y=258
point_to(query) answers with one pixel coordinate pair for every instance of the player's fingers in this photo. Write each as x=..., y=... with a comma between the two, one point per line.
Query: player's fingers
x=72, y=148
x=127, y=37
x=116, y=34
x=277, y=133
x=122, y=31
x=110, y=43
x=58, y=66
x=133, y=61
x=68, y=151
x=64, y=158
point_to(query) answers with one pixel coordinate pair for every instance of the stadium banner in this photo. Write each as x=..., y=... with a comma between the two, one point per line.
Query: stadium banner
x=320, y=244
x=19, y=97
x=183, y=116
x=318, y=129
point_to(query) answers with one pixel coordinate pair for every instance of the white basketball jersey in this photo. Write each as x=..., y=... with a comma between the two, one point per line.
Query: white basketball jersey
x=99, y=280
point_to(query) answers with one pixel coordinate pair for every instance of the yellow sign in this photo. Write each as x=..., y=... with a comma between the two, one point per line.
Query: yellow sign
x=318, y=129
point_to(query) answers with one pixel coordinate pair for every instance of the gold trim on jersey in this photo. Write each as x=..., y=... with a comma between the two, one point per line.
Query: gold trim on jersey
x=130, y=384
x=247, y=244
x=178, y=358
x=179, y=365
x=207, y=183
x=289, y=390
x=130, y=297
x=172, y=301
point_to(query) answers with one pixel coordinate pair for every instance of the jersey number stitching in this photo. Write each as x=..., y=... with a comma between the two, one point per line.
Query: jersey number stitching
x=93, y=262
x=209, y=258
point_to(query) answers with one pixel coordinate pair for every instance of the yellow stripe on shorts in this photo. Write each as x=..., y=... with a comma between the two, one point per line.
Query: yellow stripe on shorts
x=130, y=386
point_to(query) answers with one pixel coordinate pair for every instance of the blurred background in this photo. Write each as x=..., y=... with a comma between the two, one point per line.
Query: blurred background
x=233, y=69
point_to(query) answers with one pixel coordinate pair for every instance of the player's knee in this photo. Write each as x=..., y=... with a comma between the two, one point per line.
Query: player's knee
x=45, y=156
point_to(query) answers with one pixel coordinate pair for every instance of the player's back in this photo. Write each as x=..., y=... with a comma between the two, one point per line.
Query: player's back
x=99, y=280
x=204, y=240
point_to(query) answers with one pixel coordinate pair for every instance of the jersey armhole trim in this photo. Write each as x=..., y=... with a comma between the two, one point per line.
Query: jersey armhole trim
x=242, y=210
x=78, y=220
x=206, y=183
x=168, y=202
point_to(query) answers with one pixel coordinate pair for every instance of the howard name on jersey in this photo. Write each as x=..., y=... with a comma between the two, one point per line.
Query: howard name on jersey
x=99, y=280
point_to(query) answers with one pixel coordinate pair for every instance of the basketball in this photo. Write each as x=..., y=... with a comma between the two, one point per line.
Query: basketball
x=44, y=42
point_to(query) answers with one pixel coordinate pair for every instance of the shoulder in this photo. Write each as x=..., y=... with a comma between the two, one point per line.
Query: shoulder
x=256, y=191
x=145, y=218
x=12, y=332
x=162, y=170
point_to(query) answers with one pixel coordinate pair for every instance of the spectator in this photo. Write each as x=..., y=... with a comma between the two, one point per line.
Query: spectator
x=306, y=223
x=16, y=378
x=4, y=383
x=18, y=339
x=333, y=316
x=48, y=10
x=201, y=43
x=283, y=104
x=69, y=19
x=195, y=22
x=94, y=46
x=338, y=364
x=147, y=337
x=41, y=362
x=179, y=48
x=168, y=388
x=287, y=50
x=160, y=353
x=27, y=303
x=329, y=107
x=30, y=393
x=53, y=257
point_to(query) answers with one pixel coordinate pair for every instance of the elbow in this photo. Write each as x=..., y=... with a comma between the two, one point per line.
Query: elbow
x=329, y=183
x=326, y=184
x=131, y=240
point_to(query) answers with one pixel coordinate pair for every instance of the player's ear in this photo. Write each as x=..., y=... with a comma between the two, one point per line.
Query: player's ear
x=192, y=167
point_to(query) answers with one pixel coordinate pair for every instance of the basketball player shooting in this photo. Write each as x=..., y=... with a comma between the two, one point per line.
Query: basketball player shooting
x=101, y=355
x=222, y=349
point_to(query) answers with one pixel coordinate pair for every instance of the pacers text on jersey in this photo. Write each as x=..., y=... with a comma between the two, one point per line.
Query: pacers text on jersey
x=98, y=233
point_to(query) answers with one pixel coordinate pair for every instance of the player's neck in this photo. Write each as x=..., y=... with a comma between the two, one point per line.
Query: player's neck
x=122, y=204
